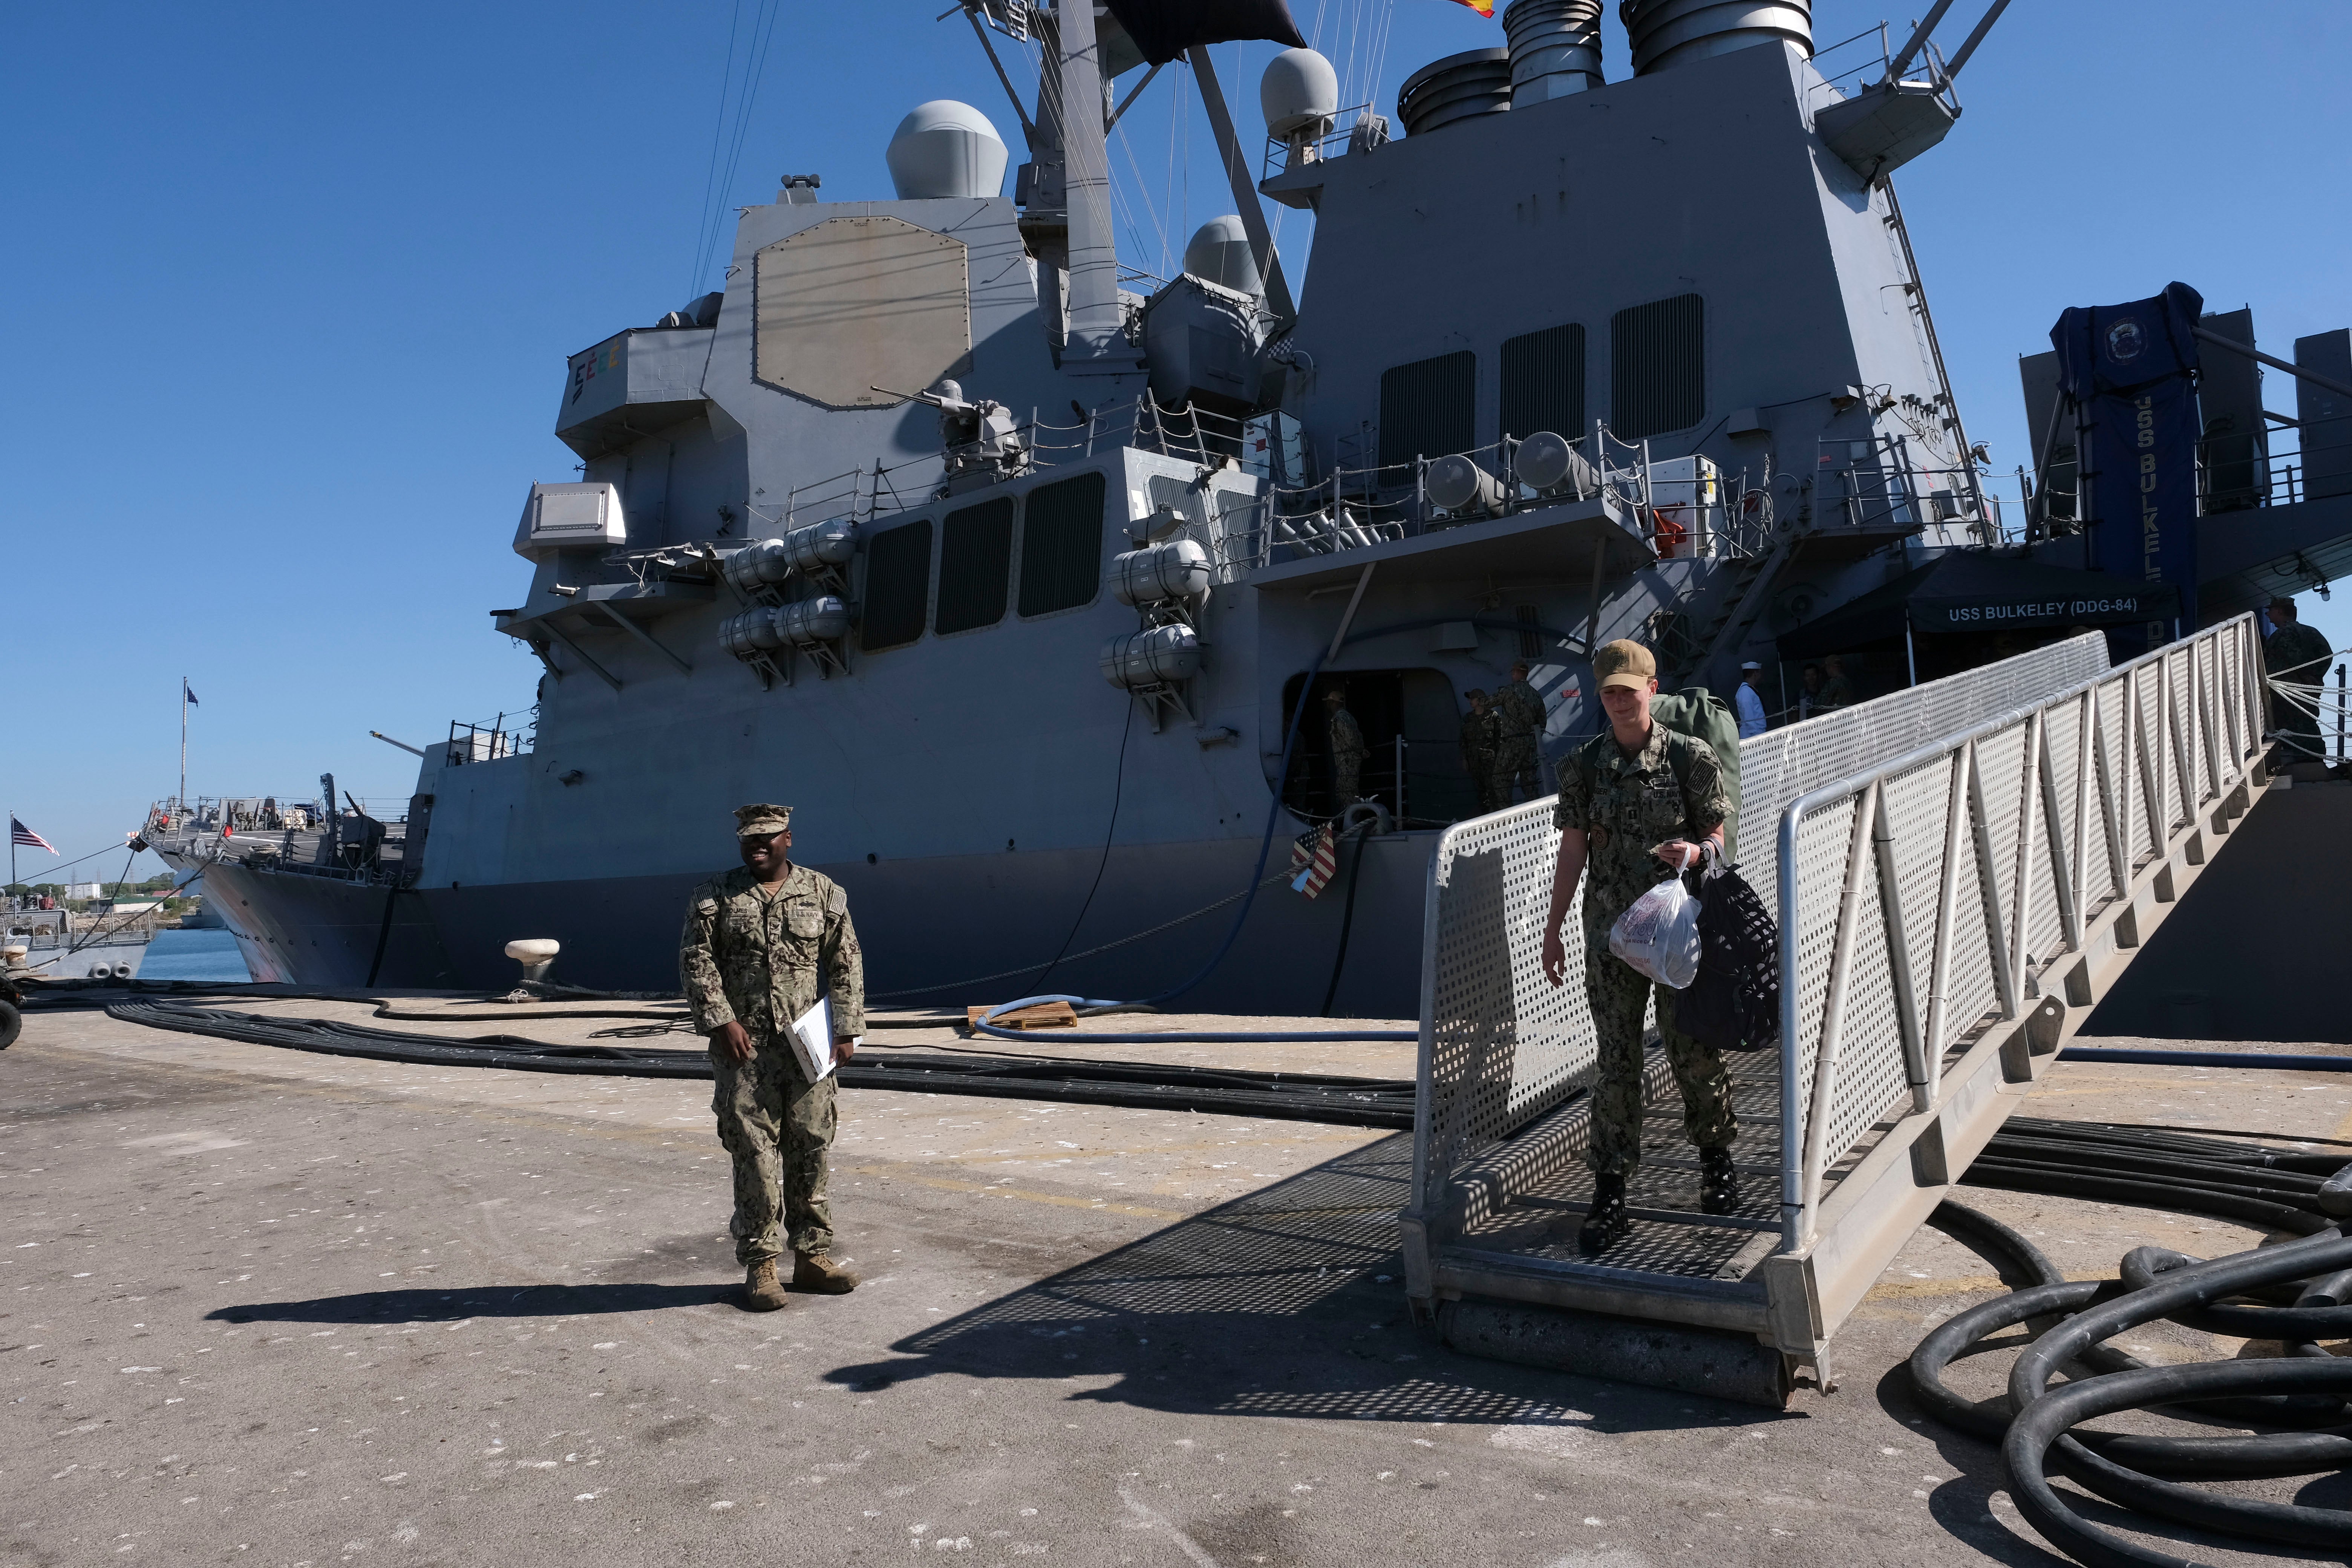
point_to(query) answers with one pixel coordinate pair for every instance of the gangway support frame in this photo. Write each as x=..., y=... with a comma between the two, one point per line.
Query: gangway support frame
x=1962, y=871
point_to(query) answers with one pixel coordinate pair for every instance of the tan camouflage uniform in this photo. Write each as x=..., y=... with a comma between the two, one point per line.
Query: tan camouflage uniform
x=1348, y=754
x=1519, y=720
x=753, y=958
x=1632, y=804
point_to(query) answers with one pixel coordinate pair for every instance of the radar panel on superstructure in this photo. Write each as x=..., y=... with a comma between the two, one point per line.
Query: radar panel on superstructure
x=854, y=303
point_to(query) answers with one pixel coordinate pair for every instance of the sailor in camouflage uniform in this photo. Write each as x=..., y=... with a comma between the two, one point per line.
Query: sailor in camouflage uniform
x=1519, y=720
x=757, y=940
x=1635, y=802
x=1479, y=749
x=1348, y=753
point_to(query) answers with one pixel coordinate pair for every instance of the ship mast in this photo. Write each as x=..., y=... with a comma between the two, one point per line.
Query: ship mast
x=1095, y=334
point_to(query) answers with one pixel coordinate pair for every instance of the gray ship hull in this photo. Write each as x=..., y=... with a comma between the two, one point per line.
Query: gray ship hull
x=951, y=931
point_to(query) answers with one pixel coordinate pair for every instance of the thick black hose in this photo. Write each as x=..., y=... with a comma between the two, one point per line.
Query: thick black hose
x=1273, y=1096
x=2292, y=1292
x=2284, y=1454
x=2032, y=1435
x=2069, y=1182
x=2144, y=1266
x=2002, y=1243
x=2275, y=1059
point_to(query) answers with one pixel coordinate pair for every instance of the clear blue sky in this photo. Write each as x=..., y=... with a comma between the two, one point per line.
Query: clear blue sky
x=288, y=291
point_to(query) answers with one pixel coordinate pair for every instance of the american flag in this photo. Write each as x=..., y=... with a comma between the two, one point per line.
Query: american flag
x=1313, y=858
x=19, y=833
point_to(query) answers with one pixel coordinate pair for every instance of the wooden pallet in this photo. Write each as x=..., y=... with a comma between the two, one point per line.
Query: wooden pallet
x=1044, y=1016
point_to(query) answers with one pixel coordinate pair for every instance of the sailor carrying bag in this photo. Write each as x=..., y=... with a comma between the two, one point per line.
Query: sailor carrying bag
x=1733, y=1002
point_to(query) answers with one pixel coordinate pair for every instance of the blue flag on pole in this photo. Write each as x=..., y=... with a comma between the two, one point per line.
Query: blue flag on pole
x=187, y=695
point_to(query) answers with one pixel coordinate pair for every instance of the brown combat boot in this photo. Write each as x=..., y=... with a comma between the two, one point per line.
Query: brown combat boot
x=819, y=1275
x=762, y=1292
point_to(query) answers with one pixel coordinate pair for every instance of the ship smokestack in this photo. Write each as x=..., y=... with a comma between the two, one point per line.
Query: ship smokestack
x=1668, y=33
x=1457, y=88
x=1555, y=48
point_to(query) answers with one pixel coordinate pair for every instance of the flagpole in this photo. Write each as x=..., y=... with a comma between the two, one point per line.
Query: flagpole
x=182, y=801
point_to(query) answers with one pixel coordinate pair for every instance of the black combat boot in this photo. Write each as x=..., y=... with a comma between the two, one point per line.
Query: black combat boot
x=1718, y=1182
x=1605, y=1221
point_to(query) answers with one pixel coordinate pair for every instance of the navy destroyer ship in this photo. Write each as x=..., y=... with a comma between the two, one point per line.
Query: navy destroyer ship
x=1020, y=576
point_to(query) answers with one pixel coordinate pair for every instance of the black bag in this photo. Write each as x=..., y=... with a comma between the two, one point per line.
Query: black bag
x=1734, y=1005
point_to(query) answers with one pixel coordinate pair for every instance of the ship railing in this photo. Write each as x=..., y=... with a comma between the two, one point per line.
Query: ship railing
x=2296, y=462
x=471, y=742
x=239, y=814
x=1352, y=128
x=1959, y=871
x=822, y=500
x=1853, y=64
x=1727, y=516
x=2285, y=462
x=1866, y=484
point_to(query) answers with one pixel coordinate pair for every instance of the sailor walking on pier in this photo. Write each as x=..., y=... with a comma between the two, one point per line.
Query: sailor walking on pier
x=1636, y=800
x=759, y=942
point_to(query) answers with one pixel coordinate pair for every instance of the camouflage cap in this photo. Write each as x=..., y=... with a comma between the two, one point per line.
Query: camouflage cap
x=1624, y=663
x=762, y=821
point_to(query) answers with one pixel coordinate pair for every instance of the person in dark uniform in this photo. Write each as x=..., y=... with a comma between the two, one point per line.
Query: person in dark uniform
x=2295, y=655
x=1348, y=753
x=1478, y=745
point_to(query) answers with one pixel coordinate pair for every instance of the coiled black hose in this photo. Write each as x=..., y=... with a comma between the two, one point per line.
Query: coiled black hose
x=2293, y=1291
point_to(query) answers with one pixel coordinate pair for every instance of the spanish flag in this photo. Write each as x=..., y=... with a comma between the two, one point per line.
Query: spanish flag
x=1484, y=7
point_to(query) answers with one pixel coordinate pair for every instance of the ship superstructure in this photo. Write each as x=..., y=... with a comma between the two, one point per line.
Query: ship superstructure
x=1011, y=570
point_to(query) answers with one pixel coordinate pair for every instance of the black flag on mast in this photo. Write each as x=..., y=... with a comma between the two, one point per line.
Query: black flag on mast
x=1164, y=30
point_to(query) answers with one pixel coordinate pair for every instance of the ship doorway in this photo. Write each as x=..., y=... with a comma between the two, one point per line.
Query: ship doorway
x=1412, y=728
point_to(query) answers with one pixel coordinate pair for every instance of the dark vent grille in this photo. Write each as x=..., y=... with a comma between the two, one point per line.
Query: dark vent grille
x=975, y=563
x=1657, y=367
x=897, y=586
x=1061, y=545
x=1531, y=634
x=1543, y=381
x=1429, y=408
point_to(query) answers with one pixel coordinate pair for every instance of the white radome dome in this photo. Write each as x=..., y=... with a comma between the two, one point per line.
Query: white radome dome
x=1299, y=89
x=1219, y=252
x=946, y=149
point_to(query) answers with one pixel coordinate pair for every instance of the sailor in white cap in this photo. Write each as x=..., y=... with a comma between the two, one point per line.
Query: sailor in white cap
x=1750, y=699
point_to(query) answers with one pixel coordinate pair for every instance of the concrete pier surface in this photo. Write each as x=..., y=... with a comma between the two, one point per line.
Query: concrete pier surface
x=258, y=1306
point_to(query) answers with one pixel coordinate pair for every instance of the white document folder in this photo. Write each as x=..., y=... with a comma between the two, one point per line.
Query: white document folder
x=812, y=1038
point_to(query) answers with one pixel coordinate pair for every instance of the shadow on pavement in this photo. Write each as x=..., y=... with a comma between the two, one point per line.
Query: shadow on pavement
x=1288, y=1302
x=496, y=1302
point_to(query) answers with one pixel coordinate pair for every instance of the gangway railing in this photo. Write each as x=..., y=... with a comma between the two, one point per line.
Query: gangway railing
x=1960, y=871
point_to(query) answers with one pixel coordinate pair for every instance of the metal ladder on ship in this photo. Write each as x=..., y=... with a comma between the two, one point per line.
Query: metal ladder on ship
x=1960, y=871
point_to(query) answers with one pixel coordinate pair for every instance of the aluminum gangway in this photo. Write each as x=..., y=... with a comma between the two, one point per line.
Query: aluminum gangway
x=1960, y=871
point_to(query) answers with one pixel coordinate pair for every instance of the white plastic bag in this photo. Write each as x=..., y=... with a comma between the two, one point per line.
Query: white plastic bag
x=1659, y=935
